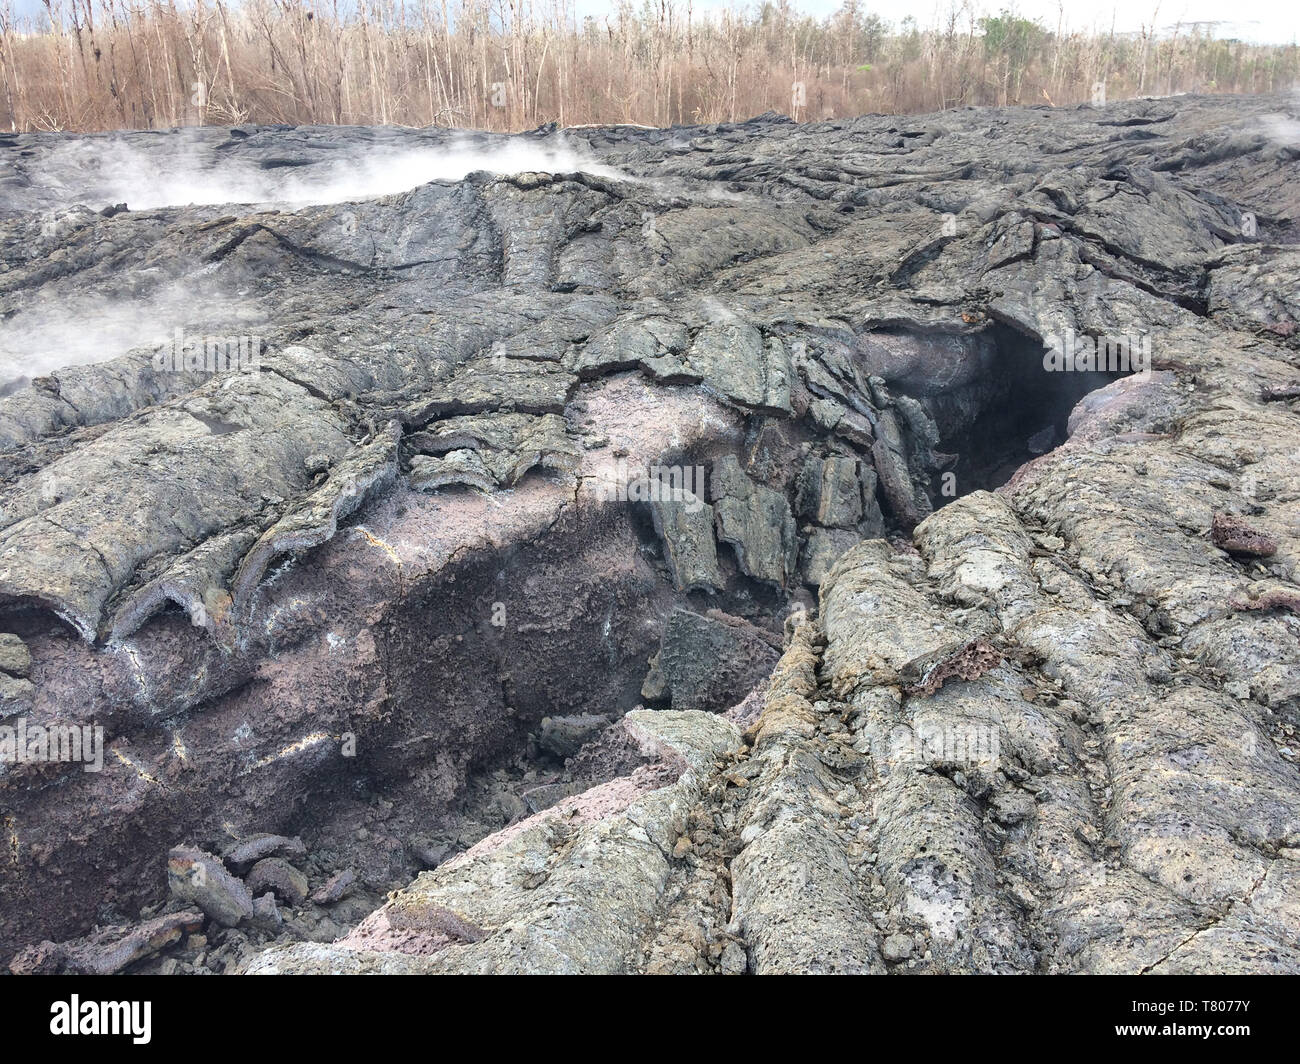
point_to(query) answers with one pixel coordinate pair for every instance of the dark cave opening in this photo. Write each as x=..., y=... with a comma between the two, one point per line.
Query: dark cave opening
x=1019, y=413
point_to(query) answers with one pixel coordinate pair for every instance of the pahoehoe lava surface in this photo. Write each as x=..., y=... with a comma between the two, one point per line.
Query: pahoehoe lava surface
x=923, y=658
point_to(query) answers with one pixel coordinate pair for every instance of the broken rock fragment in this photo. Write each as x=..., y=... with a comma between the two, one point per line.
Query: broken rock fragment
x=107, y=951
x=889, y=452
x=686, y=530
x=248, y=851
x=735, y=360
x=562, y=737
x=15, y=695
x=1237, y=537
x=201, y=879
x=490, y=449
x=266, y=914
x=709, y=662
x=830, y=492
x=338, y=887
x=756, y=521
x=822, y=548
x=15, y=658
x=279, y=876
x=463, y=468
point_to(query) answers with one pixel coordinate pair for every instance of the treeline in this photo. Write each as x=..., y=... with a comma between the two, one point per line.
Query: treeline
x=514, y=64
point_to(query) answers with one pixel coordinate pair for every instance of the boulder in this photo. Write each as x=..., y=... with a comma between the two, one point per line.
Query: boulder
x=199, y=878
x=709, y=662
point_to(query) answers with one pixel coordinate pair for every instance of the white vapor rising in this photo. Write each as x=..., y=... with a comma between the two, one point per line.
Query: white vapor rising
x=115, y=172
x=1284, y=129
x=1281, y=129
x=47, y=335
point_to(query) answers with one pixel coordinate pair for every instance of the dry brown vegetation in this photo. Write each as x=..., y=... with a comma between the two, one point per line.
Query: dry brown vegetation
x=511, y=64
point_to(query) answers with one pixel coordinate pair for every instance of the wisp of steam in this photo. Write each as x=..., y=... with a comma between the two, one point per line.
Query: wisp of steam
x=116, y=172
x=50, y=334
x=46, y=335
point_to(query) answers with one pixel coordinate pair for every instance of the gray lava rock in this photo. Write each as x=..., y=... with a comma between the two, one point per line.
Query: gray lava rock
x=464, y=468
x=711, y=662
x=756, y=521
x=277, y=875
x=16, y=695
x=733, y=961
x=108, y=950
x=201, y=879
x=238, y=554
x=562, y=737
x=335, y=889
x=428, y=853
x=822, y=548
x=546, y=795
x=15, y=658
x=890, y=454
x=246, y=852
x=266, y=914
x=830, y=492
x=686, y=529
x=734, y=358
x=897, y=948
x=486, y=450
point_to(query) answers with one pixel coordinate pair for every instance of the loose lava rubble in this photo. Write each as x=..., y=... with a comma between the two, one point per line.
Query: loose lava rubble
x=917, y=658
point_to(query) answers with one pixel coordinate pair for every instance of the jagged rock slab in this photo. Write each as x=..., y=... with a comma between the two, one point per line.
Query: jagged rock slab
x=708, y=662
x=109, y=950
x=756, y=521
